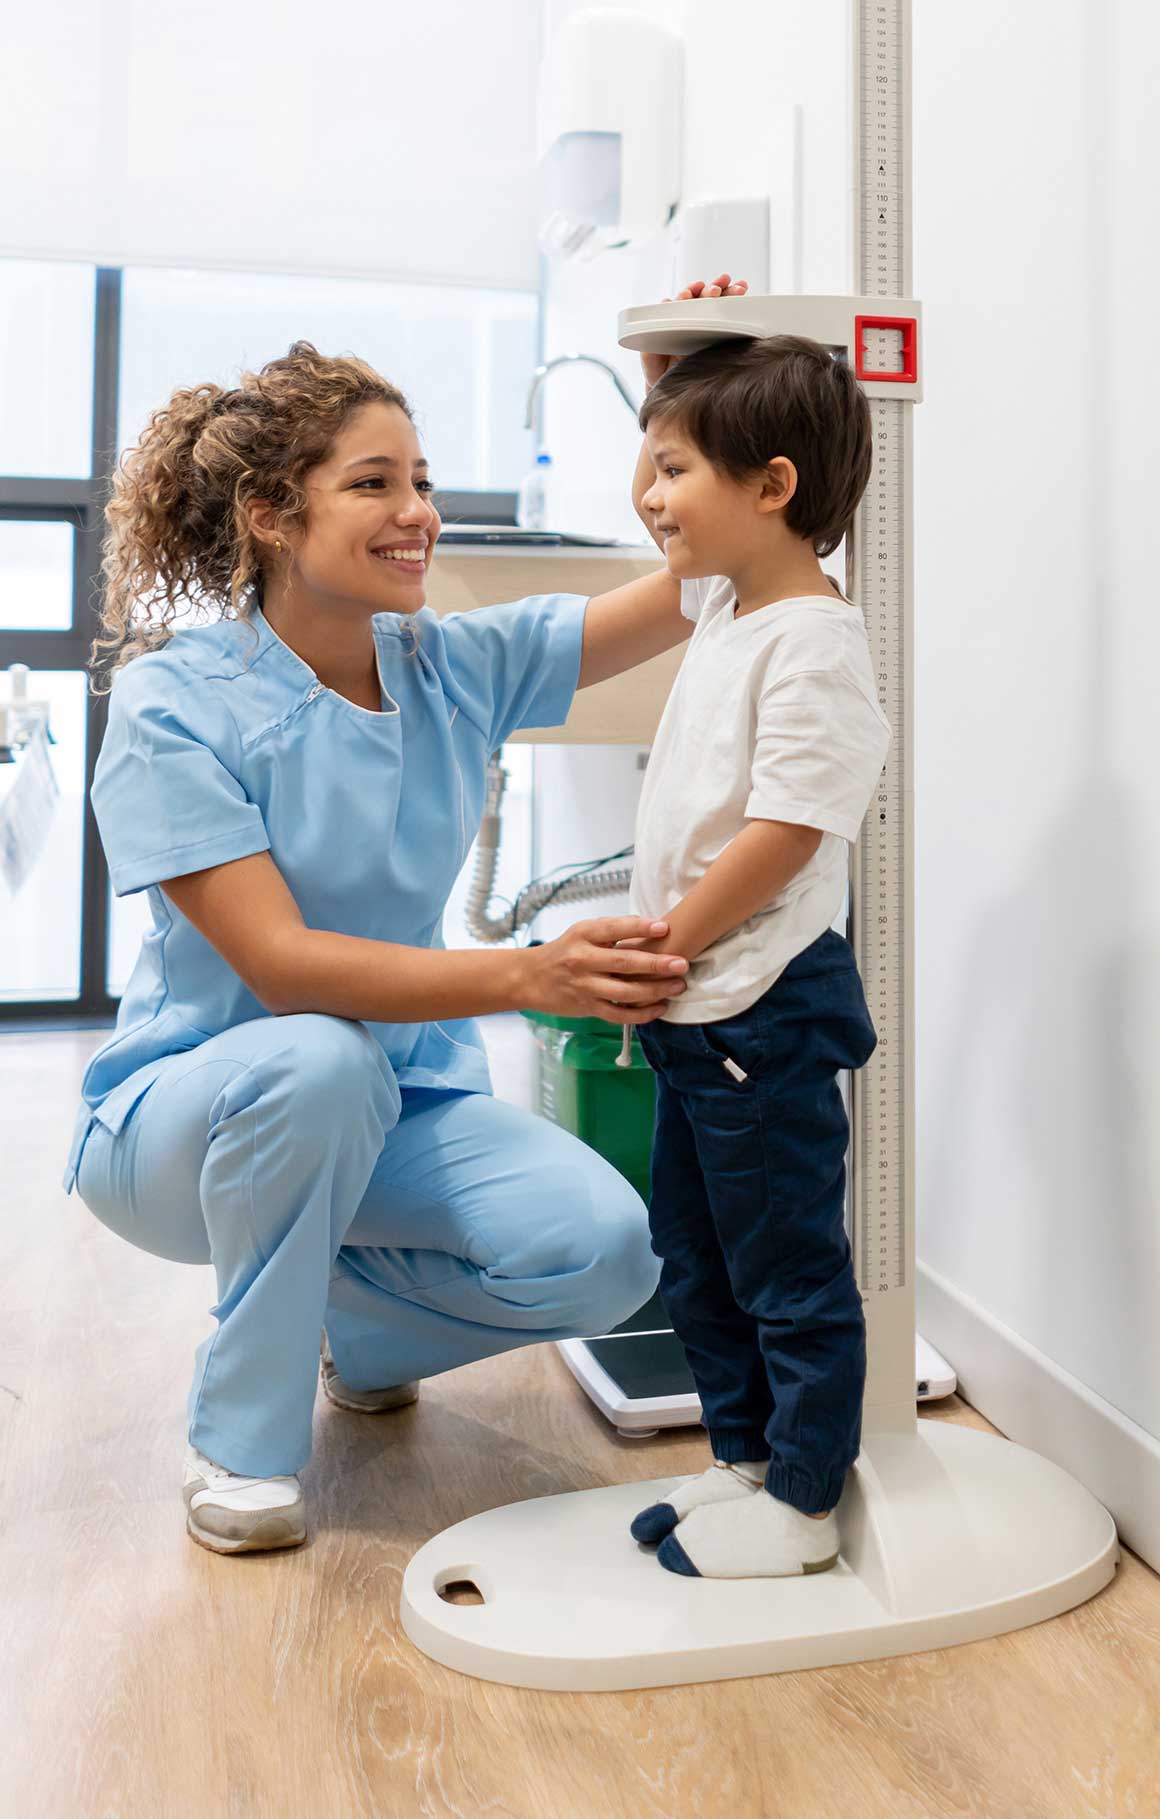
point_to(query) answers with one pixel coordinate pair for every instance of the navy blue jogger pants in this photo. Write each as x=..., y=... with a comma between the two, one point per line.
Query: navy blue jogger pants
x=747, y=1216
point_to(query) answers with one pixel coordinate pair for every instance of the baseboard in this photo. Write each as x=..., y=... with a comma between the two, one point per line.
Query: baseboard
x=1038, y=1404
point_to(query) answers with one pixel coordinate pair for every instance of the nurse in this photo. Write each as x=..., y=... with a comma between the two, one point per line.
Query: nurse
x=295, y=1090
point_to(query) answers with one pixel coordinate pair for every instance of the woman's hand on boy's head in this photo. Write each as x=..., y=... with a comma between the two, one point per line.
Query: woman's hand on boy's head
x=655, y=366
x=724, y=286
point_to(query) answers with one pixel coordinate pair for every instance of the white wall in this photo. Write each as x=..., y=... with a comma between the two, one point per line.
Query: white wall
x=1037, y=652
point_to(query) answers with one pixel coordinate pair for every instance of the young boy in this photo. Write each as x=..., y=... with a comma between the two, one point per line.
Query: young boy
x=756, y=455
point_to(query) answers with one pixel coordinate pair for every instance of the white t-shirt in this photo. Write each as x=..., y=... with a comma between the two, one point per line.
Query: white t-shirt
x=773, y=716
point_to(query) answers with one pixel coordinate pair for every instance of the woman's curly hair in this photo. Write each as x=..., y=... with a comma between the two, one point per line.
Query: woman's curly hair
x=177, y=531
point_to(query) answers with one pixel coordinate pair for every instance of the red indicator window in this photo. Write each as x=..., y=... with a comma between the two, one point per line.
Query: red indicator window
x=907, y=328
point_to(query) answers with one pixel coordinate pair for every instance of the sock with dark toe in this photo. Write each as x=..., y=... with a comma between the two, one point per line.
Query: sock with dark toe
x=750, y=1538
x=720, y=1484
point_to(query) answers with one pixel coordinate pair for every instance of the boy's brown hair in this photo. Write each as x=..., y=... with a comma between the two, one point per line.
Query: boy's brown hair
x=742, y=402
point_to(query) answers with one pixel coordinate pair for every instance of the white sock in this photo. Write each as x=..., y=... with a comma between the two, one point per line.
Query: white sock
x=720, y=1484
x=750, y=1538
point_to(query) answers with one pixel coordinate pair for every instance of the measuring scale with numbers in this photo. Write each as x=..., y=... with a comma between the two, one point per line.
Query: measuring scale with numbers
x=947, y=1535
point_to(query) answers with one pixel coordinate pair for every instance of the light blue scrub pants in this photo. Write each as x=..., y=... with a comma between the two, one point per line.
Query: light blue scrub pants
x=424, y=1229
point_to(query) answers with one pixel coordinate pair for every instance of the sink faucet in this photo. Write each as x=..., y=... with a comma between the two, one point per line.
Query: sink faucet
x=542, y=372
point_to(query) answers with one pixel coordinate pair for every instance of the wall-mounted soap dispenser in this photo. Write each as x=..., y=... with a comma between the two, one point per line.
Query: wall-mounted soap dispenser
x=611, y=86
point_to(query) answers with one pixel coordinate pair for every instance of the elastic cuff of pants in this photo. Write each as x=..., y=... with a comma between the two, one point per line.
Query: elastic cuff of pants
x=735, y=1445
x=811, y=1495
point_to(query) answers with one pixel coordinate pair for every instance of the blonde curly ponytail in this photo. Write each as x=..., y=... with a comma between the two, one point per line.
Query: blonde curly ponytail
x=177, y=533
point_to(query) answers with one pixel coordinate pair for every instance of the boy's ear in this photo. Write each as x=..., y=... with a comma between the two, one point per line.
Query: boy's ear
x=778, y=484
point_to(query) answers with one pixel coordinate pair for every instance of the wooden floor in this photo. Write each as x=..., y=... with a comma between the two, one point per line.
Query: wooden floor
x=142, y=1677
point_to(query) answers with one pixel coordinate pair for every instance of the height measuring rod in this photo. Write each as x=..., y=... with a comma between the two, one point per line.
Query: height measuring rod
x=880, y=577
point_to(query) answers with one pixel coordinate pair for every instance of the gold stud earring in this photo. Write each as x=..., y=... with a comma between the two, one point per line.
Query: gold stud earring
x=278, y=544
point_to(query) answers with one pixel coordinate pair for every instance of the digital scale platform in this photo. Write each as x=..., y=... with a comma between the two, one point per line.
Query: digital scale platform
x=638, y=1377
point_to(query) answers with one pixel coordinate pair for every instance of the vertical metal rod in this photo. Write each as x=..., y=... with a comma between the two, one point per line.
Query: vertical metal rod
x=879, y=575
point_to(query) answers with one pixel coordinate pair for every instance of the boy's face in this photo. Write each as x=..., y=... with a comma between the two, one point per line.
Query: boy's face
x=711, y=524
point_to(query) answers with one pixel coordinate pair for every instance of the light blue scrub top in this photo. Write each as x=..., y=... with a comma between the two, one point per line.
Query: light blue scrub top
x=225, y=743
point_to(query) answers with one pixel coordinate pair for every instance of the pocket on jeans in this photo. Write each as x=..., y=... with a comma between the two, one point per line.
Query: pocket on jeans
x=736, y=1045
x=830, y=1021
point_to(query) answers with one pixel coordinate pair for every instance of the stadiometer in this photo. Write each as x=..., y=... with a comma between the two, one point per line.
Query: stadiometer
x=948, y=1534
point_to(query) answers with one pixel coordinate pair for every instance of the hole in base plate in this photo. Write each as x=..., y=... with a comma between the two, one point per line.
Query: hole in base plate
x=461, y=1591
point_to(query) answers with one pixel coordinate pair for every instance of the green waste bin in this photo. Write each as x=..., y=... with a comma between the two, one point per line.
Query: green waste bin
x=580, y=1087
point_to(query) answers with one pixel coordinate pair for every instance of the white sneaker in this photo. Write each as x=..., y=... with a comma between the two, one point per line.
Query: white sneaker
x=362, y=1402
x=234, y=1515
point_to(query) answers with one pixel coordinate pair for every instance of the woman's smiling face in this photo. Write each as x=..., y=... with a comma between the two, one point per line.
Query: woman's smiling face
x=371, y=525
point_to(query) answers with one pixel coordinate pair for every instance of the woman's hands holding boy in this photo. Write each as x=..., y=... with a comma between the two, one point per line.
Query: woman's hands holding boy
x=655, y=366
x=583, y=973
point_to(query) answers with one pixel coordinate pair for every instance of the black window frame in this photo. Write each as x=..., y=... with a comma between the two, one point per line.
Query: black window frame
x=78, y=502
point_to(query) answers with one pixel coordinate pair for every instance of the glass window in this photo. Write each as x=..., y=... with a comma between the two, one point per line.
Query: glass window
x=41, y=923
x=46, y=368
x=36, y=576
x=463, y=357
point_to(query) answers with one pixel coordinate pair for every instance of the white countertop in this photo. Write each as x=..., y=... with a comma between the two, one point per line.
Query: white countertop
x=556, y=552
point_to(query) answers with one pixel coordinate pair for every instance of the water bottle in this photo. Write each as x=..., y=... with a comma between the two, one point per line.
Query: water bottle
x=532, y=509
